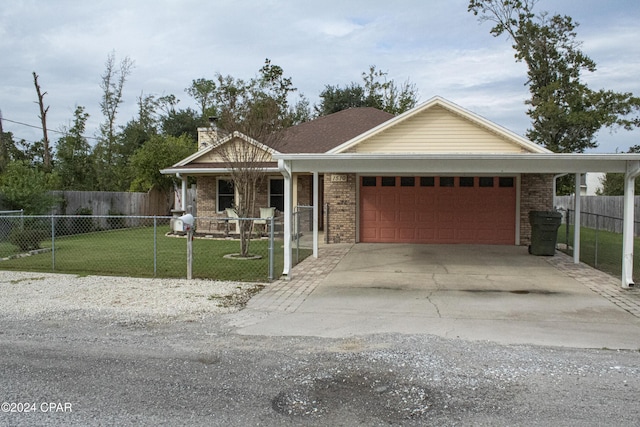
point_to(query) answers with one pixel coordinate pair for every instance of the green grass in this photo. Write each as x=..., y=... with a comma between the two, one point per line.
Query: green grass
x=609, y=249
x=129, y=252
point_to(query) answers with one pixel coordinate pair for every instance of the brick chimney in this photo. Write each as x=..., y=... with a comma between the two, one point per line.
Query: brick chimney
x=208, y=136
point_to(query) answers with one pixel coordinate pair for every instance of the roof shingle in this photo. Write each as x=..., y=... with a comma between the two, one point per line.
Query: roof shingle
x=324, y=133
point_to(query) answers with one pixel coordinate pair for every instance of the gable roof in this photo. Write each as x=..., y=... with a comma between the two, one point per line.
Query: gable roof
x=235, y=135
x=327, y=132
x=419, y=124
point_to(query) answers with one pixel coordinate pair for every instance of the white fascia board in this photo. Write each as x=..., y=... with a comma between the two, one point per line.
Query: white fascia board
x=205, y=171
x=465, y=163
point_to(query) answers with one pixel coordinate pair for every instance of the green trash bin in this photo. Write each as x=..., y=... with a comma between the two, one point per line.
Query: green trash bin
x=544, y=232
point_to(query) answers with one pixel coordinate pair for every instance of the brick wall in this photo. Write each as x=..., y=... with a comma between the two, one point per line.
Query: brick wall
x=341, y=198
x=536, y=194
x=305, y=190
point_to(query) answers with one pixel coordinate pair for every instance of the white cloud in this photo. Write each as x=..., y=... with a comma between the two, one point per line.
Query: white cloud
x=436, y=44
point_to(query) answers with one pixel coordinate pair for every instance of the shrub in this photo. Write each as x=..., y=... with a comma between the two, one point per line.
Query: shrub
x=27, y=239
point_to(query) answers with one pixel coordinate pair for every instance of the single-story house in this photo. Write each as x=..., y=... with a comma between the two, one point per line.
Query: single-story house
x=437, y=173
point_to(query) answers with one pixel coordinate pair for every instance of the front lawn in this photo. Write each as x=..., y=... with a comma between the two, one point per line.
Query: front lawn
x=130, y=252
x=600, y=249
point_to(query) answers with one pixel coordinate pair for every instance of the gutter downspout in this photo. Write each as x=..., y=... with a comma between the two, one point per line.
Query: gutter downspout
x=285, y=169
x=633, y=171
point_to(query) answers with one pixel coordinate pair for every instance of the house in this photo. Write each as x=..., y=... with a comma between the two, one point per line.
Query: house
x=437, y=173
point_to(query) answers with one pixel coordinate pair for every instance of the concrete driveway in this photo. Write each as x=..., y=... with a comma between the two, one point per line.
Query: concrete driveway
x=495, y=293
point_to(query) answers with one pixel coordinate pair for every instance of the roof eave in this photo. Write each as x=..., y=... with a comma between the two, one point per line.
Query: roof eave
x=458, y=163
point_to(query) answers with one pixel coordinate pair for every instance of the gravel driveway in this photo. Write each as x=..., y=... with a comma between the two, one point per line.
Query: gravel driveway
x=120, y=299
x=132, y=352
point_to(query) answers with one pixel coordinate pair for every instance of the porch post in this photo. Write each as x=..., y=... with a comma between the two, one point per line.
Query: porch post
x=315, y=214
x=633, y=170
x=184, y=194
x=285, y=168
x=576, y=222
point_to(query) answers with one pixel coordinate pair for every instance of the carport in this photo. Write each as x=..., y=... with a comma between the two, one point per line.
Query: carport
x=463, y=164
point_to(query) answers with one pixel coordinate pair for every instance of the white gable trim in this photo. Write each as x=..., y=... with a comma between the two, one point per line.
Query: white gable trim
x=220, y=143
x=522, y=142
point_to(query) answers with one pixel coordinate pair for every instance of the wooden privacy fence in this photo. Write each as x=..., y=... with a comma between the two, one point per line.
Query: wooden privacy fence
x=606, y=212
x=102, y=203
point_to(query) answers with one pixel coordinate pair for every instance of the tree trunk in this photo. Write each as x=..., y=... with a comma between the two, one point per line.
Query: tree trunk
x=46, y=156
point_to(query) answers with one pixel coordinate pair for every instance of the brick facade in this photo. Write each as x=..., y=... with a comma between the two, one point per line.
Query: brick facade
x=305, y=190
x=340, y=196
x=536, y=194
x=206, y=198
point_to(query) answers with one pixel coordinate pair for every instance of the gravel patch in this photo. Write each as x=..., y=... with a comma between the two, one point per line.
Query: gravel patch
x=121, y=299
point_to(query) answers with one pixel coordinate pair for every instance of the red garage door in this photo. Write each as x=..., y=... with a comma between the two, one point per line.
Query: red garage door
x=443, y=209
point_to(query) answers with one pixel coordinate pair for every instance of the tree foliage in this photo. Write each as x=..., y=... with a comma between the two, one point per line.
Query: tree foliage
x=613, y=183
x=566, y=114
x=73, y=159
x=25, y=187
x=159, y=152
x=375, y=91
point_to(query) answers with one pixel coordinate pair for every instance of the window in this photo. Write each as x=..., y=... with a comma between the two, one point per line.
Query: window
x=368, y=181
x=427, y=181
x=505, y=182
x=407, y=181
x=467, y=181
x=388, y=181
x=486, y=181
x=226, y=194
x=276, y=194
x=446, y=181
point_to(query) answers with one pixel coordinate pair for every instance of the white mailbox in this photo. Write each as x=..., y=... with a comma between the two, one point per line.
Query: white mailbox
x=183, y=224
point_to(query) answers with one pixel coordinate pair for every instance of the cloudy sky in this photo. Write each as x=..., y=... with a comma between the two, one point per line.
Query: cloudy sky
x=436, y=44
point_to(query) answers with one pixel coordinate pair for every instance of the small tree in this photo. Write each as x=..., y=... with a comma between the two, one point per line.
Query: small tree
x=245, y=157
x=258, y=110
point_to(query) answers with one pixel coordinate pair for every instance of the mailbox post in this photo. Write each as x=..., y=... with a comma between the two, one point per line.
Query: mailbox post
x=184, y=224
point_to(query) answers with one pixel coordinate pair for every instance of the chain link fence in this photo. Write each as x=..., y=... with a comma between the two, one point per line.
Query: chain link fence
x=600, y=241
x=141, y=246
x=303, y=232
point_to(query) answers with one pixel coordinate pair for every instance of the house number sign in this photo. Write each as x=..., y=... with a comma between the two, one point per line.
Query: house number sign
x=339, y=178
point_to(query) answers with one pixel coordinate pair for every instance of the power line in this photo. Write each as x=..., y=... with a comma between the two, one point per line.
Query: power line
x=40, y=128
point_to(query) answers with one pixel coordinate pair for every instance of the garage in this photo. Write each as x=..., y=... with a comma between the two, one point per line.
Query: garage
x=438, y=209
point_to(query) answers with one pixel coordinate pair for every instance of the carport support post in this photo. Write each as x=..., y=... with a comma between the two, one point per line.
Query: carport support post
x=576, y=221
x=285, y=169
x=315, y=214
x=633, y=170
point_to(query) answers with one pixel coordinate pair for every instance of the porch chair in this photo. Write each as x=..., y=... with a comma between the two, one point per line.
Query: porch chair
x=231, y=213
x=265, y=214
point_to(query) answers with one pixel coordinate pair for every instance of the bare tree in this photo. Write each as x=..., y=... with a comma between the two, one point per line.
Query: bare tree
x=46, y=156
x=112, y=84
x=246, y=156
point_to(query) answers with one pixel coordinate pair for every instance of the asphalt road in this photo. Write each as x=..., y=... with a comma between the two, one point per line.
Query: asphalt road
x=93, y=372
